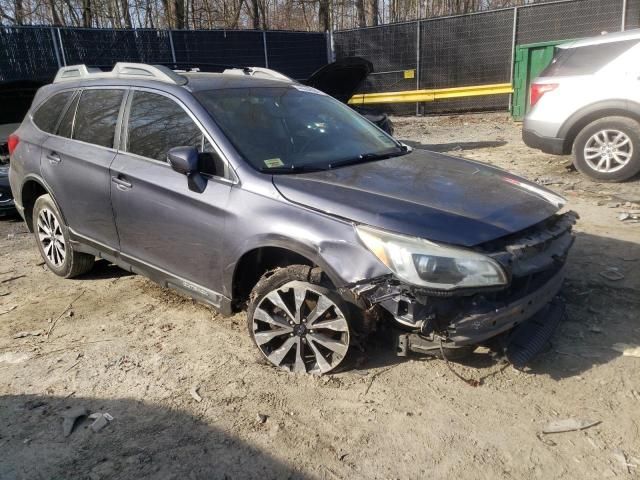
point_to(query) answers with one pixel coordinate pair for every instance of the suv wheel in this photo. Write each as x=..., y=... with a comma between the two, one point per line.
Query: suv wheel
x=609, y=149
x=53, y=241
x=296, y=323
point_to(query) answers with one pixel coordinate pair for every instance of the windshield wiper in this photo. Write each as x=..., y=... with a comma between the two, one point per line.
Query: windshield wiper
x=369, y=157
x=292, y=169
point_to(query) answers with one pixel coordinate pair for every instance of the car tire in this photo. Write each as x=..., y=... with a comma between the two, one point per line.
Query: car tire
x=52, y=237
x=298, y=321
x=608, y=149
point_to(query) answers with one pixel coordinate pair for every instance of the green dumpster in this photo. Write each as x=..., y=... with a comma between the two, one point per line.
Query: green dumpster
x=530, y=60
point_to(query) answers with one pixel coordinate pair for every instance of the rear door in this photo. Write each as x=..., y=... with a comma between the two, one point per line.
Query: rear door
x=160, y=221
x=75, y=163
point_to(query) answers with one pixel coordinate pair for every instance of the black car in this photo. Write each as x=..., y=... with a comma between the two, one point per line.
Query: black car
x=341, y=79
x=250, y=192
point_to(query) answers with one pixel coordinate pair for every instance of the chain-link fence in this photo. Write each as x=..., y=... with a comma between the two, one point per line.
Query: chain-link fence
x=36, y=53
x=473, y=49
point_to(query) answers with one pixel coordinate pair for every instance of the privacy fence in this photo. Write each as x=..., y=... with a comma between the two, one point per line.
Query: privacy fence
x=36, y=53
x=473, y=49
x=458, y=51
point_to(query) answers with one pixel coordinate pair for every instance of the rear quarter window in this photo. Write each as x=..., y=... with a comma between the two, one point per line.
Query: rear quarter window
x=97, y=115
x=47, y=115
x=585, y=60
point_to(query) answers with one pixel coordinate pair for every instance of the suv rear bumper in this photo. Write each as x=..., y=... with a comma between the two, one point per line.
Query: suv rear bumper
x=552, y=145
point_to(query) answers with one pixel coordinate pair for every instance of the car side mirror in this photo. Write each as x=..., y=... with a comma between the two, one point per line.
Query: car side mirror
x=184, y=160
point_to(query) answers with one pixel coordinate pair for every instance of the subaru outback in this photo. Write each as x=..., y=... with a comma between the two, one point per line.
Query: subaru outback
x=257, y=192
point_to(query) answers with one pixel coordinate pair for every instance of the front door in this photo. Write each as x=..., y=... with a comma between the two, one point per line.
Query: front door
x=160, y=222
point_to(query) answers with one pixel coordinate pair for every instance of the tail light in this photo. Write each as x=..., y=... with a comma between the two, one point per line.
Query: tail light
x=538, y=90
x=12, y=143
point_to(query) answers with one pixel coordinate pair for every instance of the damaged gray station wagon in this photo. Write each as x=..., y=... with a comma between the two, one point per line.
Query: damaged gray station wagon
x=245, y=189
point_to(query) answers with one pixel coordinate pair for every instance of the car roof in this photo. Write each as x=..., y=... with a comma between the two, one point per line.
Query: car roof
x=213, y=81
x=605, y=38
x=139, y=74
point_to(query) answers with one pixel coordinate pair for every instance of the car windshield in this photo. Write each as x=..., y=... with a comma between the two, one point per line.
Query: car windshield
x=295, y=128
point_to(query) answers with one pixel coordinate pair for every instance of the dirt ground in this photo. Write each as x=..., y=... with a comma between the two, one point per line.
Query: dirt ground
x=136, y=351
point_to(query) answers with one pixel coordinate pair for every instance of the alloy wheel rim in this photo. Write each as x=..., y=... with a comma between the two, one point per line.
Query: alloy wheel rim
x=51, y=237
x=608, y=151
x=300, y=329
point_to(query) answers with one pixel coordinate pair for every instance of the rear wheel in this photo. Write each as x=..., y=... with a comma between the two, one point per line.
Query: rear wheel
x=53, y=241
x=297, y=323
x=608, y=149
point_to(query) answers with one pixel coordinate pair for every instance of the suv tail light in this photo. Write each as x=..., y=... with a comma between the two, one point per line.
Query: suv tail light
x=12, y=143
x=538, y=90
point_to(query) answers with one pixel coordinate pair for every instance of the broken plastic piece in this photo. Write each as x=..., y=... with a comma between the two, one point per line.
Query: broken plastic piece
x=70, y=416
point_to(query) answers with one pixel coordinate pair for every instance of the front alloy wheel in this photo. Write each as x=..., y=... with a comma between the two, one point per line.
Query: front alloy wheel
x=300, y=327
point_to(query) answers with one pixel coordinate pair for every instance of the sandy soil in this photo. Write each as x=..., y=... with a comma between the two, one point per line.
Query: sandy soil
x=136, y=351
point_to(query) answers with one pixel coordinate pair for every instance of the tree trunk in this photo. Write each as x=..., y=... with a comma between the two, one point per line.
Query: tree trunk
x=324, y=15
x=362, y=14
x=19, y=13
x=126, y=13
x=372, y=12
x=55, y=16
x=179, y=6
x=255, y=14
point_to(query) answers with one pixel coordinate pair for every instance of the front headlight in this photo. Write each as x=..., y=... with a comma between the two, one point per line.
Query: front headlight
x=423, y=263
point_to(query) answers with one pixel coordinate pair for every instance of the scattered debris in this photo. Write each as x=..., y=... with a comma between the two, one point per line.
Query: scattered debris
x=621, y=457
x=624, y=216
x=612, y=273
x=8, y=309
x=195, y=395
x=613, y=204
x=100, y=420
x=545, y=440
x=32, y=333
x=11, y=279
x=14, y=357
x=53, y=324
x=627, y=350
x=568, y=425
x=261, y=418
x=33, y=404
x=70, y=417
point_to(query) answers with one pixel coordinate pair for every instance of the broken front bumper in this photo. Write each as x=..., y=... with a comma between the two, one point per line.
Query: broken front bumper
x=535, y=260
x=476, y=328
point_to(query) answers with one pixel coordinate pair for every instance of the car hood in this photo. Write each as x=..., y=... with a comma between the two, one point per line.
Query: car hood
x=340, y=79
x=425, y=194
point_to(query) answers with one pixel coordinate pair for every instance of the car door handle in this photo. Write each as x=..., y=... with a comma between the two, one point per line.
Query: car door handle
x=121, y=184
x=54, y=158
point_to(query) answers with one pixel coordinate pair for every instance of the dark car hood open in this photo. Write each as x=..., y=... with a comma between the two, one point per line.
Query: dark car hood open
x=341, y=78
x=427, y=195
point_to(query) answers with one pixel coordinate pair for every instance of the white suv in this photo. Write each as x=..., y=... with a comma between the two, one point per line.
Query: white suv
x=587, y=101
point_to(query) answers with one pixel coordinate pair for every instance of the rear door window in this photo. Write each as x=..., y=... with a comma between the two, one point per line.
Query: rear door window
x=157, y=124
x=47, y=115
x=97, y=115
x=585, y=60
x=65, y=129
